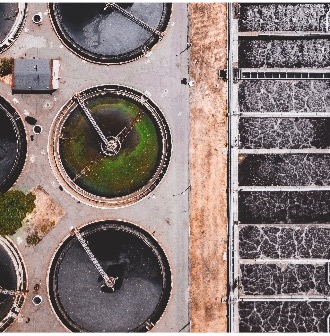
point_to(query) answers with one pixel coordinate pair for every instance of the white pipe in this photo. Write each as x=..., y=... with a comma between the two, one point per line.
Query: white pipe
x=286, y=261
x=231, y=265
x=327, y=21
x=263, y=298
x=285, y=70
x=283, y=115
x=284, y=188
x=284, y=151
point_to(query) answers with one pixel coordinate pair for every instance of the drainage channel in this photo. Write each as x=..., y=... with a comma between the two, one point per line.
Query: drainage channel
x=278, y=191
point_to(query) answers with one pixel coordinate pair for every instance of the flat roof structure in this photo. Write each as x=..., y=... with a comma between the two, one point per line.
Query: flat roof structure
x=32, y=75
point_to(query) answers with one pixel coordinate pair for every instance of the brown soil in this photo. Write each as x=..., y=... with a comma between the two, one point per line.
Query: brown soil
x=45, y=216
x=6, y=79
x=208, y=167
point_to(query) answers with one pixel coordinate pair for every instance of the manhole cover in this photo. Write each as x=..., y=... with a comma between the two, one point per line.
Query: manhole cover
x=110, y=32
x=111, y=145
x=36, y=300
x=129, y=256
x=37, y=129
x=13, y=283
x=37, y=18
x=13, y=145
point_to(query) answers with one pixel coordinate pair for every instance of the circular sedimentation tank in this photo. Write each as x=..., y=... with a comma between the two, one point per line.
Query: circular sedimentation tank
x=13, y=280
x=110, y=33
x=127, y=254
x=110, y=146
x=13, y=145
x=12, y=17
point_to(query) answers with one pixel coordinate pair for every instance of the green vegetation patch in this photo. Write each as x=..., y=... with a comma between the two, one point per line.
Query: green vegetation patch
x=14, y=206
x=6, y=66
x=33, y=239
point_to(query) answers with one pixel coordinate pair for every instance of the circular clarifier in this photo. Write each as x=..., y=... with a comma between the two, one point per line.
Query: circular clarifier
x=110, y=32
x=13, y=283
x=126, y=253
x=110, y=146
x=13, y=145
x=12, y=16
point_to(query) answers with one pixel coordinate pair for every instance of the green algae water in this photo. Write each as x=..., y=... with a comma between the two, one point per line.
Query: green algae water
x=110, y=176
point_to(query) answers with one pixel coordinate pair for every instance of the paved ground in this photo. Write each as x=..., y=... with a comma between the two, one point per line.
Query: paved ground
x=208, y=168
x=164, y=212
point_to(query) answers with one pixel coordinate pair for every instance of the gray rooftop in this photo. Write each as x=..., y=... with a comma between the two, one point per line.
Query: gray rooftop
x=32, y=75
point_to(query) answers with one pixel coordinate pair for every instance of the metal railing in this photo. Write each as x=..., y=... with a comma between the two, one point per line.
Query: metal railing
x=109, y=281
x=231, y=262
x=12, y=291
x=133, y=18
x=89, y=117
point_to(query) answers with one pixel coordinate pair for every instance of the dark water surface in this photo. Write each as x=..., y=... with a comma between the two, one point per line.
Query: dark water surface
x=107, y=31
x=281, y=53
x=269, y=207
x=137, y=292
x=277, y=279
x=8, y=146
x=284, y=96
x=284, y=170
x=293, y=133
x=282, y=17
x=283, y=242
x=8, y=280
x=8, y=13
x=283, y=316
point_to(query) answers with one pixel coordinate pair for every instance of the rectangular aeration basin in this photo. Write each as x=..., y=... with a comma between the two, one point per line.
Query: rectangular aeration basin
x=273, y=52
x=282, y=17
x=284, y=170
x=287, y=207
x=284, y=278
x=284, y=242
x=283, y=316
x=281, y=133
x=296, y=96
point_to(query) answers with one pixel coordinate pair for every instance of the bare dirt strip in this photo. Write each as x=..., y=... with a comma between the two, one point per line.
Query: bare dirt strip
x=208, y=167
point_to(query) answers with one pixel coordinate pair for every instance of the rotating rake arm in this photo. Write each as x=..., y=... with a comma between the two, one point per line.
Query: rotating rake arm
x=12, y=292
x=133, y=18
x=124, y=133
x=109, y=281
x=88, y=116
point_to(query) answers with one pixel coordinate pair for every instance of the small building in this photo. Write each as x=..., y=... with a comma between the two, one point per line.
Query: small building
x=35, y=76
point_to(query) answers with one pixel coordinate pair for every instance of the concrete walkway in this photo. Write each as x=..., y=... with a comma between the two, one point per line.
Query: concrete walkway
x=164, y=213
